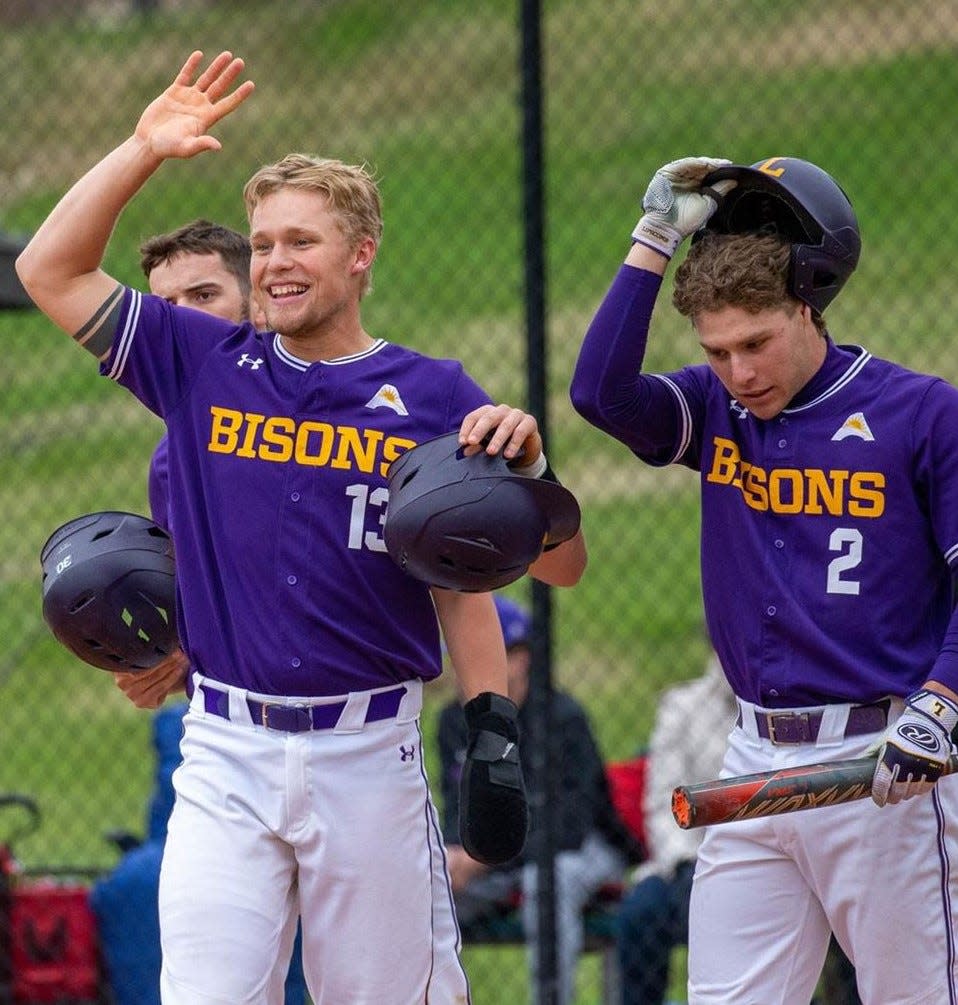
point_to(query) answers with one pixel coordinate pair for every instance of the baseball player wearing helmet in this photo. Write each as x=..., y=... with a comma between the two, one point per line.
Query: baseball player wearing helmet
x=302, y=788
x=829, y=487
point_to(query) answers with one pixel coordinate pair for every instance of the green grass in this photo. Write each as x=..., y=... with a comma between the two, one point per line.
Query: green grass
x=426, y=93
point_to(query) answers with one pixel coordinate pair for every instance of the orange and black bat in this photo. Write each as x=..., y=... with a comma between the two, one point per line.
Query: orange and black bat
x=768, y=793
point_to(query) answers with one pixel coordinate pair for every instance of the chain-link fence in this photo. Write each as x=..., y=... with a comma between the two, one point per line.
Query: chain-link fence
x=428, y=93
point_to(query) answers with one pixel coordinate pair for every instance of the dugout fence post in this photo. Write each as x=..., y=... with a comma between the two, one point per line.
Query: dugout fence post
x=542, y=784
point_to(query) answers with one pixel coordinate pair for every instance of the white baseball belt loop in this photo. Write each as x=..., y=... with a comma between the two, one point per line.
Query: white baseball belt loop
x=352, y=719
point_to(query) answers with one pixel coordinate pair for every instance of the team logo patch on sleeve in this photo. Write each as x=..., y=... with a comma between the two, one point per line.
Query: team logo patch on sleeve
x=388, y=397
x=854, y=425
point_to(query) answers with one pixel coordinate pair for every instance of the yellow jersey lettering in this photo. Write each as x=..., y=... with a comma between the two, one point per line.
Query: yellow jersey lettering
x=753, y=487
x=224, y=430
x=867, y=494
x=325, y=434
x=725, y=462
x=786, y=490
x=826, y=488
x=281, y=439
x=253, y=422
x=278, y=441
x=351, y=453
x=812, y=491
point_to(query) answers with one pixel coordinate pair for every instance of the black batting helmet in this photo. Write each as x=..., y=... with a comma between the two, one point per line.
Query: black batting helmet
x=470, y=523
x=806, y=206
x=108, y=590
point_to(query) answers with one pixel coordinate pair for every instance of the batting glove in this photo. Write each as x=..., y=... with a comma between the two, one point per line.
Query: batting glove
x=677, y=205
x=493, y=811
x=915, y=748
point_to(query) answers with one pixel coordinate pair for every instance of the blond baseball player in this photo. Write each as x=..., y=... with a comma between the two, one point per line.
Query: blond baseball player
x=302, y=789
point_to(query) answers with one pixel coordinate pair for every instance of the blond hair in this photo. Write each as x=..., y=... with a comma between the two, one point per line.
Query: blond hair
x=350, y=189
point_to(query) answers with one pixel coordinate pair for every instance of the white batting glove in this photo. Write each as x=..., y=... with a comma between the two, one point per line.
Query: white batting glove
x=915, y=748
x=675, y=204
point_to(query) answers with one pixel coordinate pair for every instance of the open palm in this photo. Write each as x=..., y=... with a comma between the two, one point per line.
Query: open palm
x=177, y=123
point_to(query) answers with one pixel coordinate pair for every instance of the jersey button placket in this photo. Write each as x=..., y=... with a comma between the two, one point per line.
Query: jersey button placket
x=779, y=451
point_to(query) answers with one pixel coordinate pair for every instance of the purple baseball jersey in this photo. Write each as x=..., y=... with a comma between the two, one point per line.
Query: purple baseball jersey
x=278, y=490
x=829, y=533
x=158, y=485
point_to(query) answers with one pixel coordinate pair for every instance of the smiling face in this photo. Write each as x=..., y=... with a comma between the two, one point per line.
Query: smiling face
x=306, y=274
x=202, y=282
x=763, y=358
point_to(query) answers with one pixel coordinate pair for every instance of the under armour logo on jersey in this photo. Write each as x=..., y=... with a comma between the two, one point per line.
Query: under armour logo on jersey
x=388, y=397
x=407, y=753
x=255, y=364
x=740, y=410
x=854, y=425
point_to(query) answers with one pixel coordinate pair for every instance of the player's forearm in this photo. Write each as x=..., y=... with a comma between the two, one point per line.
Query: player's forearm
x=934, y=685
x=642, y=257
x=562, y=565
x=60, y=266
x=473, y=636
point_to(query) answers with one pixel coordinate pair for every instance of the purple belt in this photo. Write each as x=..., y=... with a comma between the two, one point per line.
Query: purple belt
x=803, y=727
x=302, y=718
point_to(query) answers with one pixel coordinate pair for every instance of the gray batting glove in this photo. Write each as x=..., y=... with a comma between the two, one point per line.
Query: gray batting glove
x=676, y=205
x=915, y=748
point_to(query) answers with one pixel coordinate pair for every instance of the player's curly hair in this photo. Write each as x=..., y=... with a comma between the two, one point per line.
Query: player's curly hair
x=749, y=271
x=351, y=189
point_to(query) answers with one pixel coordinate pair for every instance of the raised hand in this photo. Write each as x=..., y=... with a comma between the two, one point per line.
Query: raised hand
x=676, y=204
x=177, y=123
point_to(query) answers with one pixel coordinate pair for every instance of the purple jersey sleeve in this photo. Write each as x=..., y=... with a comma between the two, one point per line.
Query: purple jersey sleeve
x=158, y=485
x=829, y=533
x=608, y=388
x=278, y=489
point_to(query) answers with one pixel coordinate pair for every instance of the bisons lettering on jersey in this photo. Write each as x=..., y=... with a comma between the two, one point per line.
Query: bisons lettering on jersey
x=809, y=491
x=282, y=439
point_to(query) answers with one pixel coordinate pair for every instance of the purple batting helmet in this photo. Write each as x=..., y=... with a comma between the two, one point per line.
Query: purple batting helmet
x=109, y=590
x=470, y=523
x=803, y=204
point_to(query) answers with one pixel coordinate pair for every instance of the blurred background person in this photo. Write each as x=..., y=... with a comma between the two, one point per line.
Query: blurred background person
x=594, y=847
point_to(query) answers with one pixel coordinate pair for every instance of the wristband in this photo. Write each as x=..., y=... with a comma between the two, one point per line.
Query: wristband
x=657, y=235
x=534, y=470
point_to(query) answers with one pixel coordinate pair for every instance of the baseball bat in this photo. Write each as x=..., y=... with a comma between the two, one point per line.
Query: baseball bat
x=768, y=793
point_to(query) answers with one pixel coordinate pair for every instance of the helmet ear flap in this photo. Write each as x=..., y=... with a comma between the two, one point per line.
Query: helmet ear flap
x=468, y=523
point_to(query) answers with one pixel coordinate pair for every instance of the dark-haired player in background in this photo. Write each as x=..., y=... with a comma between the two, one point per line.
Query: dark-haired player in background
x=829, y=487
x=205, y=266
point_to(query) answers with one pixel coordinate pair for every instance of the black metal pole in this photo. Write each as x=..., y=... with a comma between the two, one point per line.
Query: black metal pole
x=542, y=783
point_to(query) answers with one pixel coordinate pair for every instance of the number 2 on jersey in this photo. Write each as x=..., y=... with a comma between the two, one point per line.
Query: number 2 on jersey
x=848, y=542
